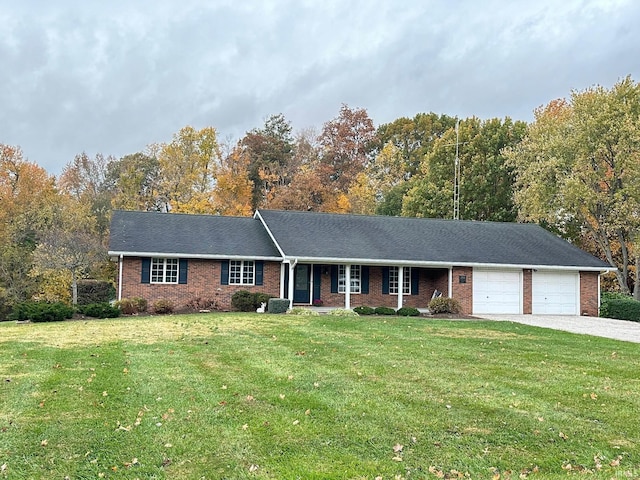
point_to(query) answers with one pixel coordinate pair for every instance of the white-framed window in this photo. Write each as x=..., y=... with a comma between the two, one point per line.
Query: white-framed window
x=355, y=278
x=394, y=274
x=164, y=270
x=241, y=272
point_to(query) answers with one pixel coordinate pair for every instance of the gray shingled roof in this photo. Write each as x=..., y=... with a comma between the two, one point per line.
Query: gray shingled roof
x=189, y=235
x=359, y=237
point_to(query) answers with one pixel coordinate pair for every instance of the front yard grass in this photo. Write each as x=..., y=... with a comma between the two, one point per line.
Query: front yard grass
x=239, y=396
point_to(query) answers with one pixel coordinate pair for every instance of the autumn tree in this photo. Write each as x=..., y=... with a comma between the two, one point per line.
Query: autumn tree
x=134, y=182
x=68, y=249
x=187, y=170
x=270, y=150
x=579, y=165
x=27, y=199
x=347, y=142
x=410, y=140
x=233, y=192
x=485, y=182
x=84, y=179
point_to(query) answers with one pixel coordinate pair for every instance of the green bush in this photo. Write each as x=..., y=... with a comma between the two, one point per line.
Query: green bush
x=408, y=312
x=245, y=301
x=261, y=298
x=444, y=305
x=131, y=306
x=99, y=310
x=364, y=310
x=41, y=312
x=278, y=305
x=95, y=291
x=385, y=311
x=619, y=306
x=163, y=306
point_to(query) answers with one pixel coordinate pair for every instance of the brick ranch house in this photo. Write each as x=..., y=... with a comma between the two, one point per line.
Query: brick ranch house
x=351, y=260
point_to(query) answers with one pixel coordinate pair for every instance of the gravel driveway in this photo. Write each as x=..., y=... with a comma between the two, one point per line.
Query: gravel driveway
x=599, y=327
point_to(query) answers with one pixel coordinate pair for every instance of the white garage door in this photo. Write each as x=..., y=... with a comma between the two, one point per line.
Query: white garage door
x=555, y=293
x=496, y=291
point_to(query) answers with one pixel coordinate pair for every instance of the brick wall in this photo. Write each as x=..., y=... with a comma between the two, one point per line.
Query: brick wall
x=203, y=281
x=430, y=279
x=527, y=286
x=463, y=292
x=589, y=293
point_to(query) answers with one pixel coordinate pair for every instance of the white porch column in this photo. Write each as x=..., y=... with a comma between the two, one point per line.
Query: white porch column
x=347, y=287
x=400, y=286
x=450, y=292
x=292, y=271
x=283, y=269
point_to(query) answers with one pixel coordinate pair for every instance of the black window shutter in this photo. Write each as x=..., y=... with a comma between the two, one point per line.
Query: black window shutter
x=385, y=280
x=334, y=279
x=365, y=279
x=146, y=270
x=183, y=266
x=286, y=281
x=415, y=281
x=224, y=272
x=317, y=281
x=259, y=272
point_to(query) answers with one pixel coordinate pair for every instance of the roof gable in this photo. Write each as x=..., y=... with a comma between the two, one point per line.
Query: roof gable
x=362, y=238
x=188, y=235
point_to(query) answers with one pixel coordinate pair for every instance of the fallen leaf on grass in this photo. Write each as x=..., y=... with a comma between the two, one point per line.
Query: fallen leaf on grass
x=616, y=461
x=397, y=459
x=253, y=468
x=397, y=448
x=563, y=436
x=44, y=442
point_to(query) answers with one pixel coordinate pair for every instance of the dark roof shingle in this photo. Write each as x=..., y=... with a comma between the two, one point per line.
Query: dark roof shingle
x=362, y=237
x=189, y=235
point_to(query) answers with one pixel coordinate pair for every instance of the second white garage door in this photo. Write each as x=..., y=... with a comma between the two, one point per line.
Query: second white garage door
x=555, y=293
x=496, y=291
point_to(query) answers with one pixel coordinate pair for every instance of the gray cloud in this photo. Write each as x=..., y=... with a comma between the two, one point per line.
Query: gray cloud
x=113, y=77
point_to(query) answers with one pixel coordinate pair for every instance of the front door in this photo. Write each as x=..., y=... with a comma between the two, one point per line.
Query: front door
x=302, y=284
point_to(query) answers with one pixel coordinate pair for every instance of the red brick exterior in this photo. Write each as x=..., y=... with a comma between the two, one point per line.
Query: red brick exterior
x=589, y=294
x=203, y=281
x=429, y=280
x=463, y=292
x=527, y=286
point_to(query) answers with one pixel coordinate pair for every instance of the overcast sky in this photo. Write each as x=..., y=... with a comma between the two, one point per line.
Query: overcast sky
x=113, y=77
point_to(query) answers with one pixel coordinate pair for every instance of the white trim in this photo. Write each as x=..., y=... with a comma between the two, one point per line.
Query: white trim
x=282, y=277
x=266, y=227
x=400, y=286
x=194, y=256
x=450, y=285
x=347, y=286
x=120, y=267
x=243, y=268
x=429, y=264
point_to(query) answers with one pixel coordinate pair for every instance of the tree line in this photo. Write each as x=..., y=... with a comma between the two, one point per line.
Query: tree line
x=575, y=169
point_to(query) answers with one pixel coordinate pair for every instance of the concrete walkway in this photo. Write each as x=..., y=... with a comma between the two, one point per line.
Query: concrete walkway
x=599, y=327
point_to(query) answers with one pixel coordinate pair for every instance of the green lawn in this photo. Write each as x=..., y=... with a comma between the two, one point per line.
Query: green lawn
x=284, y=397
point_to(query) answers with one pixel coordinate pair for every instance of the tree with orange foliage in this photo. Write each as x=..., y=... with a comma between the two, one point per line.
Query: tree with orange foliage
x=578, y=169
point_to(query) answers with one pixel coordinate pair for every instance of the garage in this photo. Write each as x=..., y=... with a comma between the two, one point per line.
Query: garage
x=555, y=293
x=497, y=291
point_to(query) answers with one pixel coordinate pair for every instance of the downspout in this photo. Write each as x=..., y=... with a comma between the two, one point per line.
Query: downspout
x=121, y=260
x=347, y=287
x=400, y=286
